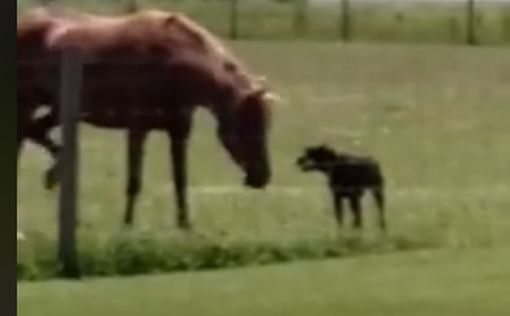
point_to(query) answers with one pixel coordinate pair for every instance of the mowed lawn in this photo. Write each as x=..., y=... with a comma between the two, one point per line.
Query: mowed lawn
x=440, y=283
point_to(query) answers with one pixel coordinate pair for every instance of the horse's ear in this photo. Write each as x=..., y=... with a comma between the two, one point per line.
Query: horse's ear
x=256, y=95
x=272, y=97
x=171, y=19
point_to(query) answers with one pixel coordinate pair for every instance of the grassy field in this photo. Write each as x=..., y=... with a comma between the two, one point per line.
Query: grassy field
x=436, y=118
x=382, y=21
x=454, y=283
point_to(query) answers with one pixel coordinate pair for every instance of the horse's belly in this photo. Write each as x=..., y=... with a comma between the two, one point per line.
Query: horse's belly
x=120, y=118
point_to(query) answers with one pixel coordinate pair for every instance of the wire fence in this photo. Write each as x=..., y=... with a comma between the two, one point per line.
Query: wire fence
x=483, y=22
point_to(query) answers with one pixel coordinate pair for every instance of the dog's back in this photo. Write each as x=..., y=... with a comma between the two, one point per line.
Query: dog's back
x=355, y=171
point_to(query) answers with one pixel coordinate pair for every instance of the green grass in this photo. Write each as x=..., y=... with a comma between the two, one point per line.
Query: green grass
x=435, y=116
x=421, y=283
x=389, y=21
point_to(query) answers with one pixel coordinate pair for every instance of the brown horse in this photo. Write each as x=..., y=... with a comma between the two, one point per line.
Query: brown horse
x=143, y=75
x=37, y=23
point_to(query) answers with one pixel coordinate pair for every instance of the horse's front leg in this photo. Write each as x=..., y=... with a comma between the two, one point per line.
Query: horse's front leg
x=136, y=139
x=38, y=132
x=179, y=136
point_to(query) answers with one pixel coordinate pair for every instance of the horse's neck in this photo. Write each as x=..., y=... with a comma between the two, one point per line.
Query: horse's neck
x=227, y=97
x=224, y=113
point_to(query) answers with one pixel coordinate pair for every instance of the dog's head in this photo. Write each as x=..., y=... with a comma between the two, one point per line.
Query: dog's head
x=317, y=158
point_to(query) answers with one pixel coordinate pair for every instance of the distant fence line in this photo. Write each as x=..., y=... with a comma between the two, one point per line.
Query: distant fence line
x=460, y=21
x=470, y=13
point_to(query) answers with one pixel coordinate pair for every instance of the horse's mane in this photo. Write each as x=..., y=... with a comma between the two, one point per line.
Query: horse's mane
x=205, y=41
x=204, y=38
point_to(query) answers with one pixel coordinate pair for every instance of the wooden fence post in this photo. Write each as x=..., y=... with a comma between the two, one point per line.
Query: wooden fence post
x=506, y=27
x=471, y=23
x=301, y=17
x=132, y=6
x=344, y=24
x=70, y=93
x=234, y=12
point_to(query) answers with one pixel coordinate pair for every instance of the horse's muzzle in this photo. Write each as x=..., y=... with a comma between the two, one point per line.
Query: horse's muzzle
x=257, y=180
x=255, y=184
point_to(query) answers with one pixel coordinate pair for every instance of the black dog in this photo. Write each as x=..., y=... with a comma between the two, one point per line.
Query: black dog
x=349, y=176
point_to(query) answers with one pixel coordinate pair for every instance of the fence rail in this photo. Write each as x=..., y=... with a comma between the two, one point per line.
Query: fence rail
x=473, y=22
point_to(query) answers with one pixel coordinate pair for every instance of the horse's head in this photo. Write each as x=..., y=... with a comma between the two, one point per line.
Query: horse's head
x=243, y=132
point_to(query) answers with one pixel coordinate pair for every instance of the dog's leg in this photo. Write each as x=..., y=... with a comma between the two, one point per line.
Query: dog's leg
x=378, y=193
x=339, y=211
x=354, y=201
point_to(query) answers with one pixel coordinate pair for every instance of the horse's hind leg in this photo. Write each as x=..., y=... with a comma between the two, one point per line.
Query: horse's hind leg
x=38, y=132
x=51, y=176
x=22, y=132
x=378, y=193
x=136, y=140
x=179, y=145
x=20, y=140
